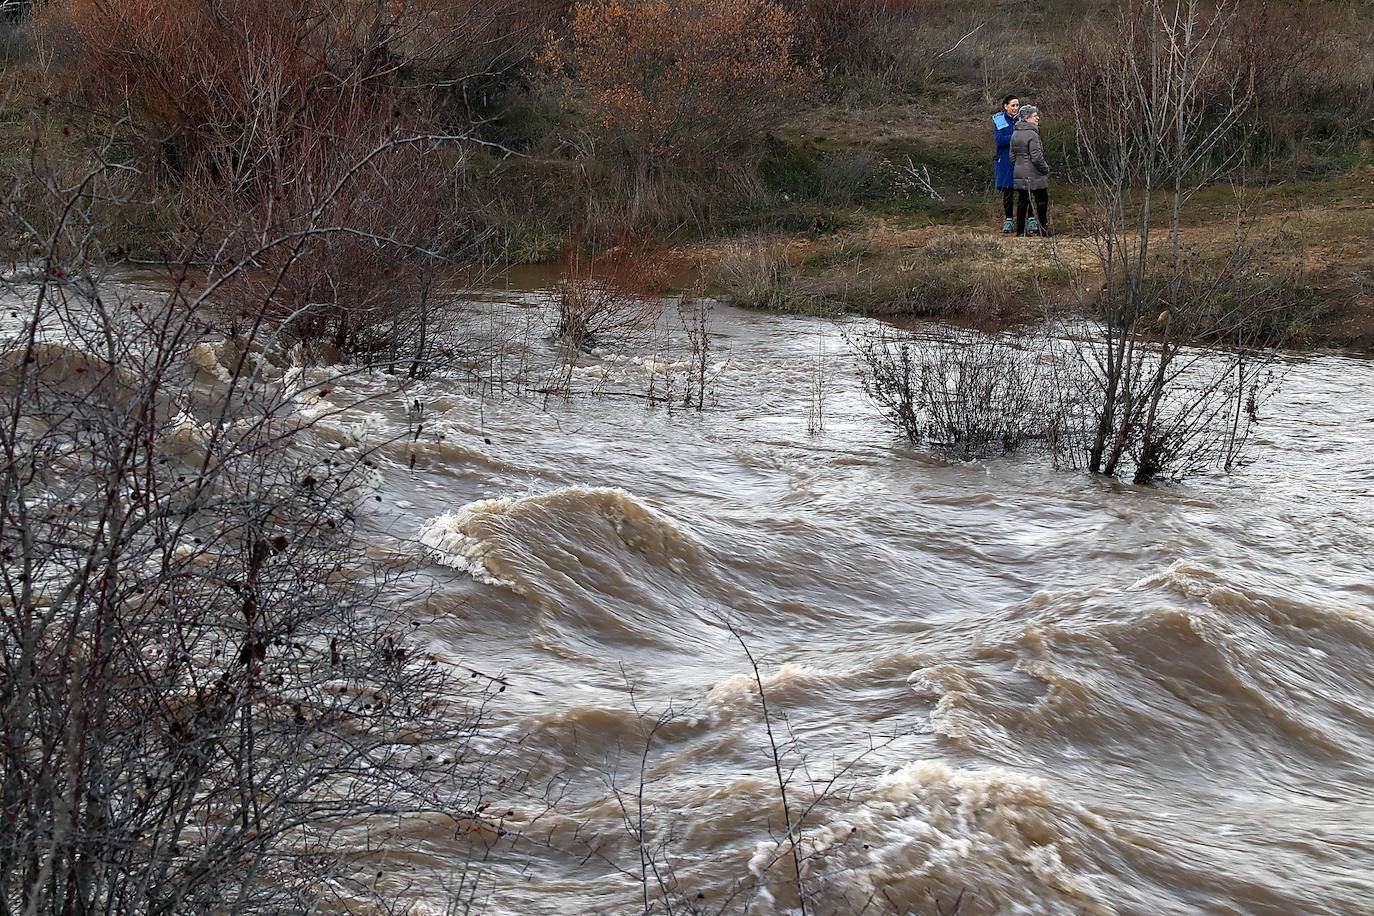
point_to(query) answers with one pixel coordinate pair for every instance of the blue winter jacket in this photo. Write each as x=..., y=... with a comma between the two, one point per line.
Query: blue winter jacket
x=1002, y=127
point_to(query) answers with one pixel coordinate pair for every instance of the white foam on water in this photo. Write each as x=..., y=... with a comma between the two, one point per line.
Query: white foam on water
x=931, y=828
x=186, y=435
x=786, y=681
x=447, y=536
x=206, y=359
x=504, y=541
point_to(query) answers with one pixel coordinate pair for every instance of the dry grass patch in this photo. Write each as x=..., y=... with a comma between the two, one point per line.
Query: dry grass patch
x=886, y=272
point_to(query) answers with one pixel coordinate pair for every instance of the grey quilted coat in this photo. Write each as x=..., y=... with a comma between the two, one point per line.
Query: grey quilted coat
x=1028, y=163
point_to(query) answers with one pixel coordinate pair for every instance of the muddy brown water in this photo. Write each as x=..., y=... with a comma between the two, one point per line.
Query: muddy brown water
x=1056, y=693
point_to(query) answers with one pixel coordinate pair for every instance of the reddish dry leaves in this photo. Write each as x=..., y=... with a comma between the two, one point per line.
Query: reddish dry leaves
x=668, y=74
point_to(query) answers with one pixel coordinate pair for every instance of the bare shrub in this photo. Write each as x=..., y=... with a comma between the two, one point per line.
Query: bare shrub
x=304, y=122
x=1166, y=367
x=909, y=178
x=694, y=314
x=1167, y=65
x=205, y=707
x=1190, y=381
x=1302, y=75
x=673, y=76
x=222, y=89
x=815, y=406
x=363, y=228
x=609, y=300
x=959, y=392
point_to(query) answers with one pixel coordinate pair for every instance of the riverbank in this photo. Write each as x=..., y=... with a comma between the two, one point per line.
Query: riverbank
x=813, y=213
x=948, y=258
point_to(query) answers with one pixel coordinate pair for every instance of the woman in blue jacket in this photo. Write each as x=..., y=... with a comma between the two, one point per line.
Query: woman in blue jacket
x=1003, y=123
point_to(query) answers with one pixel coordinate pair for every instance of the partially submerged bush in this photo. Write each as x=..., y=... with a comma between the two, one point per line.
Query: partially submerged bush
x=1157, y=119
x=611, y=299
x=362, y=226
x=960, y=392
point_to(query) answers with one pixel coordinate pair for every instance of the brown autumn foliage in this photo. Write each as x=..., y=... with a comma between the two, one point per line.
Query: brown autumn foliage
x=223, y=89
x=854, y=31
x=674, y=75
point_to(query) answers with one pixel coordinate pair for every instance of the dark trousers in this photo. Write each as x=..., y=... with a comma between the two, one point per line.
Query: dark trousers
x=1008, y=197
x=1042, y=206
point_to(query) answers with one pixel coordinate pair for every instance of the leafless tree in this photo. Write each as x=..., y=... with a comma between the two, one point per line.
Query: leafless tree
x=1167, y=367
x=204, y=705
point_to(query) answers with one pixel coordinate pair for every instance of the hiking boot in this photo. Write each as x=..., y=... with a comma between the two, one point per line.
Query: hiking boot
x=1032, y=227
x=1009, y=226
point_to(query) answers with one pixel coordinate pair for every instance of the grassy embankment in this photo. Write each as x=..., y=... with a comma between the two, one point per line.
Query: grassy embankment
x=893, y=256
x=816, y=224
x=810, y=219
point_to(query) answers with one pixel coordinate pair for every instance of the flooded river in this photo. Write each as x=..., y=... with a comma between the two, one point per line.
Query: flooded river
x=1054, y=693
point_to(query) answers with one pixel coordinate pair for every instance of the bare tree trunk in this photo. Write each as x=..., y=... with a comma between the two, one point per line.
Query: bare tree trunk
x=1147, y=121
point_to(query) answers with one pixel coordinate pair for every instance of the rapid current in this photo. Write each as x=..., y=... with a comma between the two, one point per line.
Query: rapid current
x=1049, y=692
x=1054, y=693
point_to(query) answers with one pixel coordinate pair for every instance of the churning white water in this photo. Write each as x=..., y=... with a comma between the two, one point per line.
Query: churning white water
x=1056, y=693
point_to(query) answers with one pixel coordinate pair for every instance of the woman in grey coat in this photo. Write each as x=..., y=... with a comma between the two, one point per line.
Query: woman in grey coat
x=1031, y=171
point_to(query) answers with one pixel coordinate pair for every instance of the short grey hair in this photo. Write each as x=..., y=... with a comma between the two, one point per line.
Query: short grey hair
x=1027, y=112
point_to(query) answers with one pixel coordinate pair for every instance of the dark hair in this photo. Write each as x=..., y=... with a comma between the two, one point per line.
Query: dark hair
x=1008, y=98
